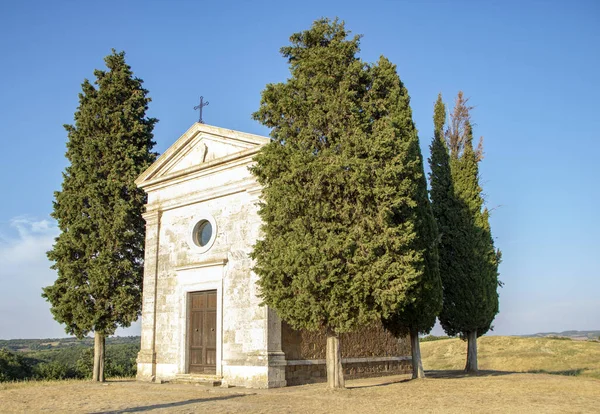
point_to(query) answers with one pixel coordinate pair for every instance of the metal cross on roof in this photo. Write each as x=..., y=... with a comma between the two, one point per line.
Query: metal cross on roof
x=202, y=104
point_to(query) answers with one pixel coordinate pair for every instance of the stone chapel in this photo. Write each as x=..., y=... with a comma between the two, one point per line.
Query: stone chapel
x=201, y=314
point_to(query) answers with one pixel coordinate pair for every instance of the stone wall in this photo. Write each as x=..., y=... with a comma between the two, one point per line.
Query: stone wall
x=371, y=351
x=317, y=372
x=372, y=341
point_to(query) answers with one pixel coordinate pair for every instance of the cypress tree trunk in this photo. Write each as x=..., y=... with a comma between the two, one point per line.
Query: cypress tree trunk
x=471, y=366
x=415, y=348
x=98, y=357
x=335, y=371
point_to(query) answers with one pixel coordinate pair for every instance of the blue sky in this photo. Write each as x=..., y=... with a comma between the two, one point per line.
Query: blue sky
x=530, y=69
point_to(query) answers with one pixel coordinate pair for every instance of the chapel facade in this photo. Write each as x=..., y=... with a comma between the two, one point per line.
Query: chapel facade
x=201, y=314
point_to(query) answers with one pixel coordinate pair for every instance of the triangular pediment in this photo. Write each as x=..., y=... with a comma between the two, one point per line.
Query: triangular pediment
x=201, y=145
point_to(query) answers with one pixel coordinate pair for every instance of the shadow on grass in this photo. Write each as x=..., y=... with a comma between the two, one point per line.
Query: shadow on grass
x=455, y=374
x=448, y=374
x=489, y=373
x=379, y=384
x=440, y=374
x=169, y=405
x=568, y=372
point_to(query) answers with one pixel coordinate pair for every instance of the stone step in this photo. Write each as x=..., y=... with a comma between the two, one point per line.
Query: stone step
x=200, y=379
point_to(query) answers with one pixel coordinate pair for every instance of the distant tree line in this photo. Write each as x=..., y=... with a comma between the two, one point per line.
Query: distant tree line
x=26, y=345
x=431, y=338
x=73, y=362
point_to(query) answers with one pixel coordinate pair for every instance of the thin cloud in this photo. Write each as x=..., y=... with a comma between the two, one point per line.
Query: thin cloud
x=27, y=248
x=25, y=270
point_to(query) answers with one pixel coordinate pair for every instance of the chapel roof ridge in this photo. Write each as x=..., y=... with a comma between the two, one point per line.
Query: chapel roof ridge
x=198, y=130
x=230, y=133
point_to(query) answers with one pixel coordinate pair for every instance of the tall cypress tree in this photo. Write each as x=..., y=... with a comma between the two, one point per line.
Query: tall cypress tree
x=339, y=182
x=99, y=253
x=418, y=313
x=468, y=259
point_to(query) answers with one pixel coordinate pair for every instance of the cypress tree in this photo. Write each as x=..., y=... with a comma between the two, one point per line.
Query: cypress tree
x=99, y=253
x=338, y=202
x=468, y=259
x=418, y=314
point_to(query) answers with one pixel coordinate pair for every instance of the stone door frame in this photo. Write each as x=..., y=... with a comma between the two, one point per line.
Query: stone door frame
x=196, y=279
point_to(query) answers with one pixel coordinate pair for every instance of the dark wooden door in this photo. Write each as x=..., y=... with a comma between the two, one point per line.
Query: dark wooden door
x=202, y=331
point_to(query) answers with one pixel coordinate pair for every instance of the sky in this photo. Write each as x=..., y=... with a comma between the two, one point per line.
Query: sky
x=530, y=70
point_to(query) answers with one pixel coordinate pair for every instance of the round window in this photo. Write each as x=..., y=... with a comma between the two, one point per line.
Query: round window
x=202, y=233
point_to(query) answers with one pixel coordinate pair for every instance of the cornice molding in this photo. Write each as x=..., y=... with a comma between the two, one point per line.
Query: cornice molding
x=211, y=167
x=202, y=196
x=207, y=263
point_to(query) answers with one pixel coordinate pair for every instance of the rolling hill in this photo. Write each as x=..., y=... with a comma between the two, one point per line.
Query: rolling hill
x=517, y=354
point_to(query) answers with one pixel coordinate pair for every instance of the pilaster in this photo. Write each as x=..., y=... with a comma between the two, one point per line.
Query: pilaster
x=146, y=359
x=276, y=356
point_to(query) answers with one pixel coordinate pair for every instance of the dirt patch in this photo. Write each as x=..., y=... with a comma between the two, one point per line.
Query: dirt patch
x=443, y=392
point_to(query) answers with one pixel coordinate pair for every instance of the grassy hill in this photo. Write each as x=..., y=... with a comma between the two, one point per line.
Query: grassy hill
x=517, y=354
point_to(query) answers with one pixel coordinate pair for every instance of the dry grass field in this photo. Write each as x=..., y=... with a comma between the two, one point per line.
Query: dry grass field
x=492, y=392
x=498, y=388
x=517, y=354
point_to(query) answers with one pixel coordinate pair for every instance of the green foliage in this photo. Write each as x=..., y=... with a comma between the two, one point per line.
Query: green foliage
x=120, y=361
x=343, y=188
x=53, y=371
x=14, y=366
x=430, y=338
x=68, y=362
x=468, y=260
x=419, y=312
x=85, y=363
x=66, y=356
x=99, y=252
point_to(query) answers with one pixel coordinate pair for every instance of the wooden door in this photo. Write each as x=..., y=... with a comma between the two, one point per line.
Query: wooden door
x=202, y=332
